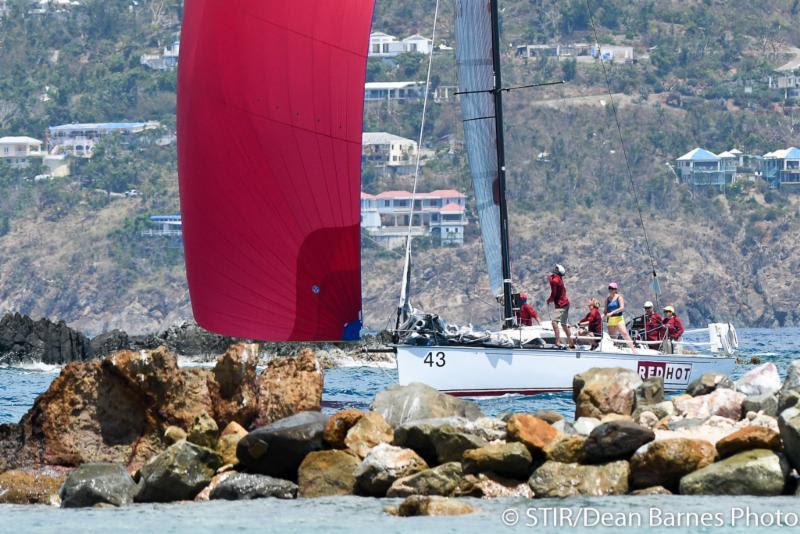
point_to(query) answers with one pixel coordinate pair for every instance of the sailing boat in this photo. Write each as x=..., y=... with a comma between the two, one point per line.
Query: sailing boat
x=270, y=107
x=518, y=359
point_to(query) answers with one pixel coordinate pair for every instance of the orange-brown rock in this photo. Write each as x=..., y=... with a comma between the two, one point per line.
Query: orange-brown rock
x=749, y=437
x=663, y=463
x=531, y=431
x=338, y=425
x=117, y=409
x=369, y=431
x=234, y=389
x=288, y=386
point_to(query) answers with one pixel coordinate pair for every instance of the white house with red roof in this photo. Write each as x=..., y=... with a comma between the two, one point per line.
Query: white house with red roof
x=440, y=214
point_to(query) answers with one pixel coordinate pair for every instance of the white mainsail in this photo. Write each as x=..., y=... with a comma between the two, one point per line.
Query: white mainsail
x=473, y=32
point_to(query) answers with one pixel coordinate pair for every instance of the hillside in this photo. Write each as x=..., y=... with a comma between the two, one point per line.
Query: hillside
x=73, y=253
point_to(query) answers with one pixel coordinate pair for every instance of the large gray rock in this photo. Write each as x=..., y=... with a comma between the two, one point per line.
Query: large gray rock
x=383, y=465
x=651, y=391
x=400, y=404
x=554, y=479
x=767, y=403
x=789, y=394
x=92, y=484
x=789, y=425
x=278, y=448
x=23, y=339
x=178, y=473
x=247, y=486
x=450, y=444
x=709, y=382
x=756, y=472
x=441, y=480
x=418, y=435
x=762, y=380
x=615, y=440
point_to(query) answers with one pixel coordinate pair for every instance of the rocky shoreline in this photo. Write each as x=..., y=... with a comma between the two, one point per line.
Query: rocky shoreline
x=24, y=340
x=135, y=427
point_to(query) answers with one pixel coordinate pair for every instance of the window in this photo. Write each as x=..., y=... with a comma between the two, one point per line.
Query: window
x=376, y=48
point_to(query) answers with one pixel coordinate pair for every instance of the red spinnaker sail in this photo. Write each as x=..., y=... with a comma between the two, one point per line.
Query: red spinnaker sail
x=270, y=105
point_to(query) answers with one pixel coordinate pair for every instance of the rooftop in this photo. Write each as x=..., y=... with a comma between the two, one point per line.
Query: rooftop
x=452, y=208
x=439, y=193
x=390, y=85
x=20, y=139
x=103, y=126
x=382, y=138
x=699, y=154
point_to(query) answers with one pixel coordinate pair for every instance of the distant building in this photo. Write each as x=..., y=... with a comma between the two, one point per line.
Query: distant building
x=389, y=91
x=42, y=7
x=3, y=8
x=781, y=168
x=387, y=46
x=440, y=214
x=703, y=168
x=167, y=60
x=382, y=149
x=554, y=50
x=163, y=225
x=617, y=54
x=18, y=151
x=80, y=139
x=418, y=43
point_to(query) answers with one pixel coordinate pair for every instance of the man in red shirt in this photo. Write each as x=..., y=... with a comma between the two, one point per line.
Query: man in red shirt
x=652, y=323
x=526, y=314
x=673, y=324
x=558, y=296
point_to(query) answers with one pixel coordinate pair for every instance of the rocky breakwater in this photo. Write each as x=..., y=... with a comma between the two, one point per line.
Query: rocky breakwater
x=429, y=448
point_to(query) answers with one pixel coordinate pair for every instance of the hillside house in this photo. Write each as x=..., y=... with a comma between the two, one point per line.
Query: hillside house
x=80, y=139
x=164, y=226
x=703, y=168
x=382, y=149
x=781, y=168
x=384, y=45
x=18, y=151
x=440, y=214
x=167, y=60
x=3, y=8
x=393, y=91
x=617, y=54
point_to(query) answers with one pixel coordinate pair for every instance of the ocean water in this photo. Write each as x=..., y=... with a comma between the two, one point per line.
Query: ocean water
x=355, y=387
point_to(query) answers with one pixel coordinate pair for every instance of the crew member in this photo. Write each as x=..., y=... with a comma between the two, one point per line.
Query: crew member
x=652, y=323
x=672, y=323
x=526, y=315
x=615, y=307
x=558, y=297
x=592, y=323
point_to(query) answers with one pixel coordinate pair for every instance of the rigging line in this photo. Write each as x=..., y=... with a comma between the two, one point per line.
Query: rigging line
x=624, y=150
x=419, y=153
x=513, y=88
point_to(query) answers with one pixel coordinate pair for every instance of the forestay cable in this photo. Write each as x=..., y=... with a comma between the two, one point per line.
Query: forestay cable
x=407, y=266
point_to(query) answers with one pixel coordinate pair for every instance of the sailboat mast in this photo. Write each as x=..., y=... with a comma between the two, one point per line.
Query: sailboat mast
x=508, y=313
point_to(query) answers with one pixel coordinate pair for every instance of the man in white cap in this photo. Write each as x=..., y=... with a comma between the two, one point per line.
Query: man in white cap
x=652, y=323
x=558, y=297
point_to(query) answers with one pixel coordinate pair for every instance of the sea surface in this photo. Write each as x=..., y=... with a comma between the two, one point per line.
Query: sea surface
x=355, y=387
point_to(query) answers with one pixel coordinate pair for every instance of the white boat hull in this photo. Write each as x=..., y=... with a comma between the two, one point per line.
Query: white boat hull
x=475, y=371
